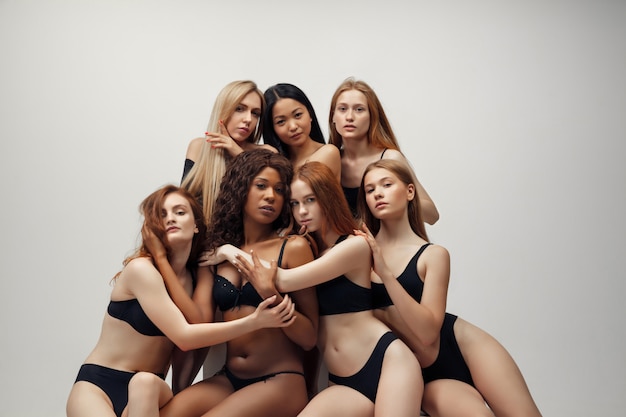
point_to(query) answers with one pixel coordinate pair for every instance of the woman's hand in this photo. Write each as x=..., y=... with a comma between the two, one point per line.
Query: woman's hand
x=261, y=277
x=281, y=315
x=225, y=252
x=380, y=267
x=223, y=140
x=153, y=243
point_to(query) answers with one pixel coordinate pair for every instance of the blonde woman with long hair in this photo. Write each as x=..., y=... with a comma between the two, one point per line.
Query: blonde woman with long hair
x=235, y=126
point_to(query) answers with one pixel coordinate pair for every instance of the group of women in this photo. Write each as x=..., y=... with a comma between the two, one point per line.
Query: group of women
x=312, y=252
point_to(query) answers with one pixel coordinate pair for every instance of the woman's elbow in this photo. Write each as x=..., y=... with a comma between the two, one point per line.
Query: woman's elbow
x=309, y=343
x=183, y=341
x=431, y=214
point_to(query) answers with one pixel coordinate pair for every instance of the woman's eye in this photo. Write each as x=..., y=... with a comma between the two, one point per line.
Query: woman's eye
x=368, y=190
x=298, y=115
x=293, y=203
x=280, y=122
x=310, y=200
x=256, y=114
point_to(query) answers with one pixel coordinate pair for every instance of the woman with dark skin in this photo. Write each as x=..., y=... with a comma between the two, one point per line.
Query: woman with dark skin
x=143, y=325
x=463, y=366
x=263, y=374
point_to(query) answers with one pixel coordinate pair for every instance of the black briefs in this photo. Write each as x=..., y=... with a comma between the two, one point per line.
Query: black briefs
x=113, y=382
x=449, y=363
x=366, y=380
x=239, y=383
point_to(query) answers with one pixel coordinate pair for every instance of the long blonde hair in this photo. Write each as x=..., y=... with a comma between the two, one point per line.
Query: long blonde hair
x=203, y=180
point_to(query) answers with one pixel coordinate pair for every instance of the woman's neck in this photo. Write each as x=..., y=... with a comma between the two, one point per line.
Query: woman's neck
x=358, y=147
x=301, y=153
x=178, y=260
x=254, y=233
x=330, y=237
x=395, y=231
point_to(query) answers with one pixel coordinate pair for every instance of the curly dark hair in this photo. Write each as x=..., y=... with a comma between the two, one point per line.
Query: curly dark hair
x=226, y=225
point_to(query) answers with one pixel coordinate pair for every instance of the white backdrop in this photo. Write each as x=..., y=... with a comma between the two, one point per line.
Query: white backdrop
x=513, y=114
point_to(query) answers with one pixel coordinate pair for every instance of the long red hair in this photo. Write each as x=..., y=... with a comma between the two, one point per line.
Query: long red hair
x=330, y=197
x=151, y=209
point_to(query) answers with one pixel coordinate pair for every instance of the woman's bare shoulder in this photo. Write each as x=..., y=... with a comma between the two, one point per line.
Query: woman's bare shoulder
x=194, y=148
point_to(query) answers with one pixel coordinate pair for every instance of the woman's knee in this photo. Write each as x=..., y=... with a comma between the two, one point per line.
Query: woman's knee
x=144, y=385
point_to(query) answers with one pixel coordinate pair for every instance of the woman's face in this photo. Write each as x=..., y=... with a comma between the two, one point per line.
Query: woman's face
x=292, y=122
x=266, y=197
x=351, y=116
x=385, y=194
x=305, y=207
x=243, y=122
x=178, y=219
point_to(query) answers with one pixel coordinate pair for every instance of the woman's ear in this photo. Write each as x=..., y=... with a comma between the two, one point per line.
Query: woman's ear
x=410, y=192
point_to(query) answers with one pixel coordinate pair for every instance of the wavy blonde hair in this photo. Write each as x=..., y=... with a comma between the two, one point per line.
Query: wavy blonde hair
x=203, y=180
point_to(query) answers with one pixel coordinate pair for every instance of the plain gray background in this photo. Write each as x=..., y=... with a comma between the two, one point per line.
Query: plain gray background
x=512, y=113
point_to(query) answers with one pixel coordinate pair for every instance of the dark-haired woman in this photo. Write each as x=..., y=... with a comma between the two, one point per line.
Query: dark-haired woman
x=263, y=374
x=290, y=125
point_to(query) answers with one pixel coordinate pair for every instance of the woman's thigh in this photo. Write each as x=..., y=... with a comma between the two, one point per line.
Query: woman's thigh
x=282, y=395
x=198, y=398
x=339, y=400
x=452, y=398
x=86, y=400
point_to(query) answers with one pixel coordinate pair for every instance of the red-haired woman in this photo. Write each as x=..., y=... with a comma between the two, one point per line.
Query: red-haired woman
x=359, y=127
x=142, y=324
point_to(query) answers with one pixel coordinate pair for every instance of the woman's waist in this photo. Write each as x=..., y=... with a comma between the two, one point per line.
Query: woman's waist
x=156, y=364
x=258, y=364
x=345, y=353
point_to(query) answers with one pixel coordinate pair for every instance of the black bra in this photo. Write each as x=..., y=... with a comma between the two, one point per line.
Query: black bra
x=227, y=296
x=131, y=312
x=409, y=280
x=340, y=295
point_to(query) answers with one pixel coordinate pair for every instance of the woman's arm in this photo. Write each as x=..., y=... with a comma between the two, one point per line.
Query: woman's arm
x=304, y=330
x=430, y=213
x=197, y=309
x=351, y=255
x=146, y=284
x=424, y=318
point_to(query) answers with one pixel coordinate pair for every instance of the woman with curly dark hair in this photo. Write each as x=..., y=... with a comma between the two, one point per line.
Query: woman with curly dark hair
x=264, y=372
